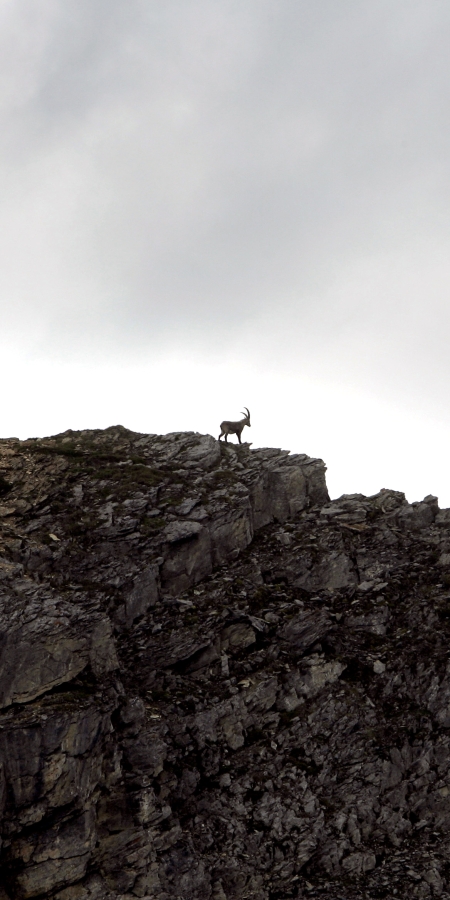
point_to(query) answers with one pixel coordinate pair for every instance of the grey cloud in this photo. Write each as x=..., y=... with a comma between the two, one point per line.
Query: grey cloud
x=181, y=171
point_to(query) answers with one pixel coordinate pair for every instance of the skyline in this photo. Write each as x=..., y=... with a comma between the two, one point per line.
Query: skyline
x=207, y=206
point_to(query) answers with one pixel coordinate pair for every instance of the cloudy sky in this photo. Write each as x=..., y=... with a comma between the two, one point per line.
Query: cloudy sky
x=207, y=204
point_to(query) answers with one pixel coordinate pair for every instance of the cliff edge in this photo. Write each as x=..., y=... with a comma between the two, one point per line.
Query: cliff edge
x=214, y=682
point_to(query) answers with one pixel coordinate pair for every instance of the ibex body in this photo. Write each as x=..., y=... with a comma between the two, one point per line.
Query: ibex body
x=227, y=428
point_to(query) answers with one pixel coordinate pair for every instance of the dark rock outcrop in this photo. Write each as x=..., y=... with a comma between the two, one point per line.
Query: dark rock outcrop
x=214, y=682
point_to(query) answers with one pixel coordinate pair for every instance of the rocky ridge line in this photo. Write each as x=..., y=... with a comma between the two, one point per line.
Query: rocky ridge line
x=98, y=528
x=216, y=683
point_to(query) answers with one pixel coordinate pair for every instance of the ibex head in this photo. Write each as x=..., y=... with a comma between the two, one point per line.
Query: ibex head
x=247, y=417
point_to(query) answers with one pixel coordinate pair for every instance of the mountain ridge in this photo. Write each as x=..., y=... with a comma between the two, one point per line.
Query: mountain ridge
x=214, y=681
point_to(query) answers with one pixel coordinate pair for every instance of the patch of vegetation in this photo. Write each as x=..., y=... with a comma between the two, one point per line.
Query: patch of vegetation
x=443, y=610
x=161, y=696
x=152, y=526
x=174, y=501
x=82, y=687
x=288, y=716
x=305, y=763
x=191, y=618
x=222, y=479
x=261, y=598
x=357, y=672
x=255, y=735
x=104, y=473
x=119, y=480
x=80, y=527
x=63, y=450
x=5, y=486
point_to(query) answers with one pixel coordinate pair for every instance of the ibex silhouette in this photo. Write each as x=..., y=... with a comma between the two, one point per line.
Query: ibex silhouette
x=227, y=428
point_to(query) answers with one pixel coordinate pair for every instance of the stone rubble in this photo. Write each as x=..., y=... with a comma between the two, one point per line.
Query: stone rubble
x=216, y=683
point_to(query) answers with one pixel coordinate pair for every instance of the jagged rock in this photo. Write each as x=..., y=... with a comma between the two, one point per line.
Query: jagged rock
x=335, y=570
x=47, y=641
x=215, y=682
x=359, y=863
x=141, y=598
x=305, y=629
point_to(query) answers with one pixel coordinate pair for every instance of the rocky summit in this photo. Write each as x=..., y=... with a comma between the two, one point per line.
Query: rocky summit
x=216, y=684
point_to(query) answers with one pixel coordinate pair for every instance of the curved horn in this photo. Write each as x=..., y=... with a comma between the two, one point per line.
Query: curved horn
x=247, y=411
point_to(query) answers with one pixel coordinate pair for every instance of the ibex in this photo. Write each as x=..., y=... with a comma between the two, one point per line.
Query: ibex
x=227, y=428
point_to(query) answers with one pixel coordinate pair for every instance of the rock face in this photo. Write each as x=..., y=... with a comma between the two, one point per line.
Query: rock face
x=215, y=683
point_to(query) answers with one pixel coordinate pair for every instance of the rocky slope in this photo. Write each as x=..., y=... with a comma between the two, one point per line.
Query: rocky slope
x=215, y=683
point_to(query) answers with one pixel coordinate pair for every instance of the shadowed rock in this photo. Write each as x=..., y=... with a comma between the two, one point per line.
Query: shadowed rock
x=216, y=683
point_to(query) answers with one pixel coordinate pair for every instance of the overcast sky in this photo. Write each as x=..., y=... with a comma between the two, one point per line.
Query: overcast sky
x=211, y=203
